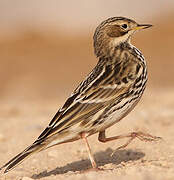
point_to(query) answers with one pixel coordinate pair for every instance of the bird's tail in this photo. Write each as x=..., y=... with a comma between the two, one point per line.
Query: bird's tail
x=35, y=147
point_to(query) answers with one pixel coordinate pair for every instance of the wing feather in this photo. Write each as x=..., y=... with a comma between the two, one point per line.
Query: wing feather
x=102, y=87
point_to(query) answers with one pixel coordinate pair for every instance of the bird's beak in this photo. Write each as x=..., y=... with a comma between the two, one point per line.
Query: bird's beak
x=142, y=26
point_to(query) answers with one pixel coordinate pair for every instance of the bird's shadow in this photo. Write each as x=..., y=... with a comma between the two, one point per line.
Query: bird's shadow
x=102, y=158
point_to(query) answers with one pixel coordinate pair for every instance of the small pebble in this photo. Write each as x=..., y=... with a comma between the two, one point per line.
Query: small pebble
x=53, y=154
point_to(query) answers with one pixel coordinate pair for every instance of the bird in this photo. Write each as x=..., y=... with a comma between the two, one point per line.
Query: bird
x=108, y=94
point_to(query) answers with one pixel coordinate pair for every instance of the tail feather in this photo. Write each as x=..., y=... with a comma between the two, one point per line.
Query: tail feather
x=16, y=161
x=22, y=156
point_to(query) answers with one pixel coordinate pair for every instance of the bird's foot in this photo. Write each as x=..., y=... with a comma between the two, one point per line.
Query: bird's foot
x=140, y=135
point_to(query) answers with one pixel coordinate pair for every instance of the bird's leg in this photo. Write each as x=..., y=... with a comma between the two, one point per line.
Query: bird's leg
x=91, y=157
x=140, y=135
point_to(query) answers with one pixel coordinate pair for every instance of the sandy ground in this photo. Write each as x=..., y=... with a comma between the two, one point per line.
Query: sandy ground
x=39, y=71
x=140, y=160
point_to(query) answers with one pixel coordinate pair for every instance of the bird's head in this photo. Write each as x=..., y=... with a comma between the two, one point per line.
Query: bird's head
x=113, y=31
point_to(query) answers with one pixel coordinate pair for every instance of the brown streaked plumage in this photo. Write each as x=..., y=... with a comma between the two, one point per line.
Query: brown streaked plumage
x=107, y=95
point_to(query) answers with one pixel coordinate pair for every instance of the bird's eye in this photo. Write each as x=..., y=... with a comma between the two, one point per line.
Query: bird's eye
x=124, y=26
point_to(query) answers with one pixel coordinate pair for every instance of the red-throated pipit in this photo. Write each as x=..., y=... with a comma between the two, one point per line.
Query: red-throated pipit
x=107, y=95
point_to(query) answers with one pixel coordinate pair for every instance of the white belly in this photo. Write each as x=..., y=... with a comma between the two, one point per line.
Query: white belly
x=117, y=115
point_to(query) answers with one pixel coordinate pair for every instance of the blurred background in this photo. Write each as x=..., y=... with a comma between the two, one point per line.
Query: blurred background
x=46, y=47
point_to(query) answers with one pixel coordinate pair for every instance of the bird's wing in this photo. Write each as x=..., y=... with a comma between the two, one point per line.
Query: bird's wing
x=104, y=85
